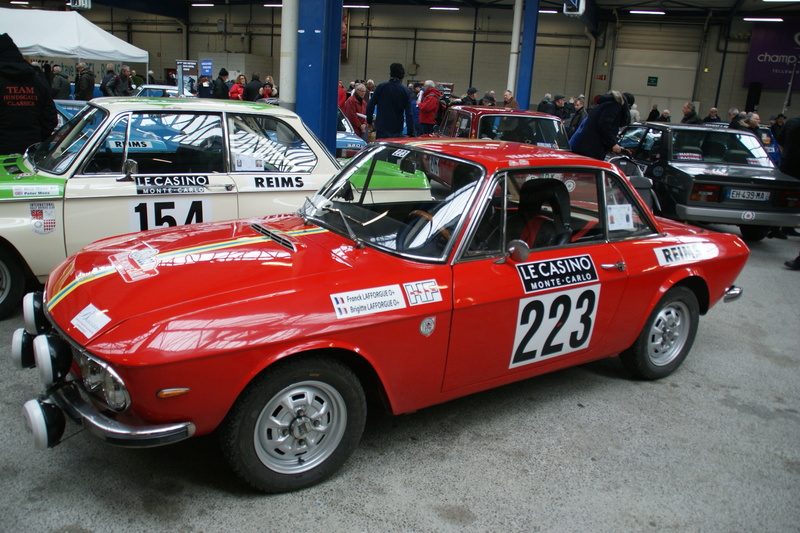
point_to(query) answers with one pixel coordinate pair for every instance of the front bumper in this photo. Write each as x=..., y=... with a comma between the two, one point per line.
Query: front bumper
x=83, y=412
x=736, y=216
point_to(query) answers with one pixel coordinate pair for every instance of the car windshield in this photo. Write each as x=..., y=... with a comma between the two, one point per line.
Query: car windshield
x=385, y=200
x=57, y=153
x=719, y=146
x=525, y=129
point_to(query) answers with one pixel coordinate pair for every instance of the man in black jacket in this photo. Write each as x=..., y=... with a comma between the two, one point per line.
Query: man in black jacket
x=219, y=89
x=27, y=111
x=598, y=136
x=393, y=100
x=84, y=83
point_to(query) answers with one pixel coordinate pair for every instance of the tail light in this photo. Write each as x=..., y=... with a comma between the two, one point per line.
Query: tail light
x=787, y=199
x=705, y=193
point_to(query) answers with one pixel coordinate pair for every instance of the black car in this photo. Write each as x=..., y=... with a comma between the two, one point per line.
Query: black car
x=714, y=175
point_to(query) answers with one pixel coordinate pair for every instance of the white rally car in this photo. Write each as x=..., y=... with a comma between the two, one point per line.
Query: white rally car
x=122, y=165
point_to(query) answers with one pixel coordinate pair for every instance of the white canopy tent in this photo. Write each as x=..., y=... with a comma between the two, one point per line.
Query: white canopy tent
x=65, y=34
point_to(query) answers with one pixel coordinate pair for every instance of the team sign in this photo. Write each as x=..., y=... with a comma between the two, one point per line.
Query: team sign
x=171, y=184
x=554, y=273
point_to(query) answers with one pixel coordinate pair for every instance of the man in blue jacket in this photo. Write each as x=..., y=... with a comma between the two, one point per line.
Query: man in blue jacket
x=393, y=100
x=597, y=135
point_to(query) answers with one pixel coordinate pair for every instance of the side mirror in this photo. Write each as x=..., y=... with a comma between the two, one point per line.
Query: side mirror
x=517, y=251
x=130, y=166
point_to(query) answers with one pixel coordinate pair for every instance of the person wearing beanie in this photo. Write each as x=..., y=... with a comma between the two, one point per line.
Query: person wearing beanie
x=469, y=98
x=219, y=89
x=27, y=112
x=393, y=100
x=597, y=135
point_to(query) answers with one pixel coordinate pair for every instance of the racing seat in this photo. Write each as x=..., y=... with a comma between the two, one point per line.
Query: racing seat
x=540, y=228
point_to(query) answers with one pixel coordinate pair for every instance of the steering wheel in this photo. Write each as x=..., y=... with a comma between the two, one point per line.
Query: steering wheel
x=427, y=216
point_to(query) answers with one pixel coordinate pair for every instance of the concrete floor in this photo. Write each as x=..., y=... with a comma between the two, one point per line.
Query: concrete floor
x=713, y=448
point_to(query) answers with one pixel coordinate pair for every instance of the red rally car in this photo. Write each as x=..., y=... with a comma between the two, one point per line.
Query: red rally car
x=382, y=290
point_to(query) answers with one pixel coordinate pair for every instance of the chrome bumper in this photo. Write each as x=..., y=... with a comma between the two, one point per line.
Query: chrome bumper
x=736, y=216
x=83, y=412
x=732, y=294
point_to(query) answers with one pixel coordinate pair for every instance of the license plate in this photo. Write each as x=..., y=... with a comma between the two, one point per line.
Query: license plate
x=738, y=194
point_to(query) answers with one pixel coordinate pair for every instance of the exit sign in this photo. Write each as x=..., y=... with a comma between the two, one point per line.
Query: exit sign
x=652, y=81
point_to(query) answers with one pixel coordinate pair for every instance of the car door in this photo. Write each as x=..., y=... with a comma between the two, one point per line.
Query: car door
x=513, y=319
x=178, y=177
x=275, y=162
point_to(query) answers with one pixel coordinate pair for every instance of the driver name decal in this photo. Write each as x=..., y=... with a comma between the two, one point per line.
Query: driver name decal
x=554, y=273
x=171, y=184
x=368, y=301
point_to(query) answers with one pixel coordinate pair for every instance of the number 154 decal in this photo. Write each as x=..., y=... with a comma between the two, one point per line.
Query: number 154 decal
x=554, y=324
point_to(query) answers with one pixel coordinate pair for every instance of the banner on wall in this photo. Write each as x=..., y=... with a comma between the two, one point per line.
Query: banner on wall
x=774, y=54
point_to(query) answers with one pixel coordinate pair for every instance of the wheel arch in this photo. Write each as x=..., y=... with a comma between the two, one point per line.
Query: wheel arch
x=699, y=287
x=8, y=247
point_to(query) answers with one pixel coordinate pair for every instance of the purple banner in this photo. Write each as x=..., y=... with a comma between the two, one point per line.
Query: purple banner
x=774, y=53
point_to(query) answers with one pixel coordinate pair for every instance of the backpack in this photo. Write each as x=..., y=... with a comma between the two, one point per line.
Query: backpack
x=441, y=111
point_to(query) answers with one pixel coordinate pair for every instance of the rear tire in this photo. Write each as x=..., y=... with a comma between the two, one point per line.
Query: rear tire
x=753, y=233
x=12, y=282
x=295, y=425
x=666, y=338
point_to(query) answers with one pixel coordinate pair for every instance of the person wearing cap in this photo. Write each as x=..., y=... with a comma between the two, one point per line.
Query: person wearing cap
x=469, y=98
x=393, y=100
x=220, y=87
x=556, y=107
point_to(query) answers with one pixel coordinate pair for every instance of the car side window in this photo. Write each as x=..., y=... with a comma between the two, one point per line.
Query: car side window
x=463, y=125
x=260, y=143
x=162, y=143
x=449, y=121
x=623, y=217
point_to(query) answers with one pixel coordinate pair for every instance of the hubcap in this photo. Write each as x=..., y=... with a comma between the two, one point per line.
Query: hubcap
x=668, y=334
x=300, y=427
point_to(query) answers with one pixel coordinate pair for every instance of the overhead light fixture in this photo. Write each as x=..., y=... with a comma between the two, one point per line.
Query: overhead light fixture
x=356, y=7
x=20, y=2
x=441, y=8
x=763, y=19
x=202, y=5
x=548, y=11
x=637, y=12
x=780, y=0
x=273, y=5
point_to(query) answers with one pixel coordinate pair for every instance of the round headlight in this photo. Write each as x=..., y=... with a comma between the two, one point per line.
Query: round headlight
x=92, y=373
x=22, y=349
x=114, y=391
x=53, y=357
x=33, y=313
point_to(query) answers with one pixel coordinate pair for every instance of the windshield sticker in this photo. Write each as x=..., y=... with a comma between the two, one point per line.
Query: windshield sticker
x=35, y=190
x=689, y=156
x=554, y=273
x=90, y=321
x=136, y=264
x=423, y=292
x=245, y=162
x=368, y=301
x=43, y=217
x=685, y=253
x=620, y=217
x=171, y=184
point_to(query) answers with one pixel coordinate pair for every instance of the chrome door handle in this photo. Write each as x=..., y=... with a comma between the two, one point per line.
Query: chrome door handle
x=619, y=265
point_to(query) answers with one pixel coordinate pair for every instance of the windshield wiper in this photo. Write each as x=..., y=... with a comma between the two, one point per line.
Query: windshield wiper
x=350, y=233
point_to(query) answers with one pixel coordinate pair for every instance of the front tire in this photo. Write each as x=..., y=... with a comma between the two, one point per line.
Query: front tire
x=666, y=338
x=295, y=425
x=12, y=282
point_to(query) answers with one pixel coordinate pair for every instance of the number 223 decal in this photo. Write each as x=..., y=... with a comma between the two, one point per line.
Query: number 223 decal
x=554, y=324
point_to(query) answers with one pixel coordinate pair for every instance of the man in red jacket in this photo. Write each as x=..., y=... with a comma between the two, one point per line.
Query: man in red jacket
x=355, y=109
x=428, y=107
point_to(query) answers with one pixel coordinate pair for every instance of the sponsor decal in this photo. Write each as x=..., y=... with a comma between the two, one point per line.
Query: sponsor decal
x=43, y=217
x=171, y=184
x=689, y=156
x=368, y=301
x=422, y=292
x=146, y=145
x=136, y=265
x=685, y=253
x=35, y=190
x=748, y=215
x=278, y=182
x=90, y=320
x=560, y=272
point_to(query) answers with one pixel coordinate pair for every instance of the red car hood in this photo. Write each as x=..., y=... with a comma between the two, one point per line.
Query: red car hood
x=162, y=275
